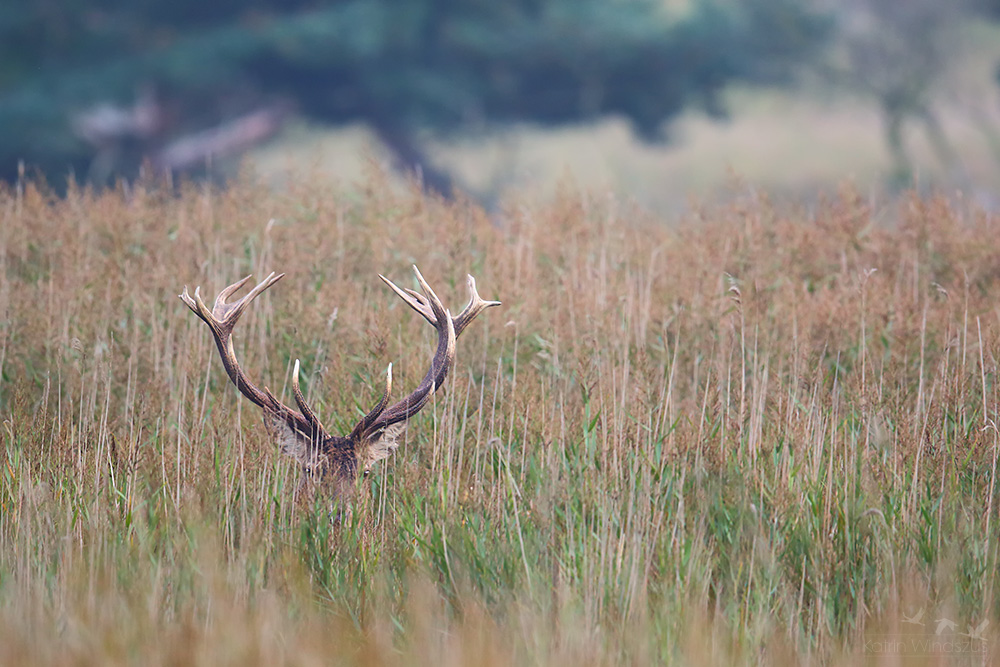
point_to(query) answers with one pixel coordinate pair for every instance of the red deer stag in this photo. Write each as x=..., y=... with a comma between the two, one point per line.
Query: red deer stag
x=299, y=432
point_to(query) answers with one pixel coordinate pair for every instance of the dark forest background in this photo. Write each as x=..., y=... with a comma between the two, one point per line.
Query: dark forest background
x=99, y=88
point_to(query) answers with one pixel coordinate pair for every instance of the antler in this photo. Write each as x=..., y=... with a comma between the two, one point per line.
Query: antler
x=448, y=328
x=221, y=319
x=299, y=431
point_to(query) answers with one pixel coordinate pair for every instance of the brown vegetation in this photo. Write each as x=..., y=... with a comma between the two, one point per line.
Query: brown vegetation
x=756, y=435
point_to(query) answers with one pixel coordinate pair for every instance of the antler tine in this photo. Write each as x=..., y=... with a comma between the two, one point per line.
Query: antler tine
x=379, y=408
x=425, y=305
x=300, y=400
x=476, y=305
x=414, y=300
x=235, y=287
x=435, y=303
x=231, y=312
x=197, y=306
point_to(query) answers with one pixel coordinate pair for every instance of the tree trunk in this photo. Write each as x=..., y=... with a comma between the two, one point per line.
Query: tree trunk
x=410, y=159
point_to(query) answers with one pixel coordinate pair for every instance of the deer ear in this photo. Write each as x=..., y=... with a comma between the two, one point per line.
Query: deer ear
x=292, y=442
x=382, y=444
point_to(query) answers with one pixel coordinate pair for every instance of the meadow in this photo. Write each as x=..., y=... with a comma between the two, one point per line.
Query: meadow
x=753, y=433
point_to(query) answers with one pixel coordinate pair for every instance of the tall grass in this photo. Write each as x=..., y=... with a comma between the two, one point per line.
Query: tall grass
x=755, y=436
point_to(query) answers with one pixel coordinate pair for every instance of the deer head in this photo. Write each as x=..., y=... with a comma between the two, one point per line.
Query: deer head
x=338, y=459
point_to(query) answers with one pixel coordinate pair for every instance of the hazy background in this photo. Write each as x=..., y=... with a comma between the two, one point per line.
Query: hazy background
x=658, y=100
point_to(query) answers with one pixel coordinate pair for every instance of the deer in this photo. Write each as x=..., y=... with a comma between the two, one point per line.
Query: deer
x=337, y=460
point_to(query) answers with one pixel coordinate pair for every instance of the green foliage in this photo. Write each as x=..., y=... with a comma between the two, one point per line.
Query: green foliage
x=433, y=65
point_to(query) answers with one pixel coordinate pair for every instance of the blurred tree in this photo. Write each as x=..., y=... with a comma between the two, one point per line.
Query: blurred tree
x=100, y=85
x=899, y=54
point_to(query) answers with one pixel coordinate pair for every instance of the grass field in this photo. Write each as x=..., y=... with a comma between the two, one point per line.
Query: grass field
x=754, y=435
